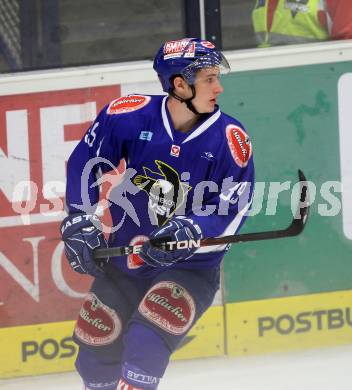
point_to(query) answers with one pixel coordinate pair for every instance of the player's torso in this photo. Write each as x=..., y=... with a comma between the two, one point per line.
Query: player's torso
x=169, y=167
x=174, y=172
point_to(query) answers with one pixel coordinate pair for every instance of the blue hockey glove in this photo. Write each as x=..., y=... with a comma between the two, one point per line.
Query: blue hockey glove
x=81, y=236
x=178, y=229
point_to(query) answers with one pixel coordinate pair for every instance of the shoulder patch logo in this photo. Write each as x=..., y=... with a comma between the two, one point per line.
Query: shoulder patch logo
x=128, y=103
x=239, y=144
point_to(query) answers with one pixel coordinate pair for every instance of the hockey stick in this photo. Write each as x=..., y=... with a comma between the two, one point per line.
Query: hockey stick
x=296, y=227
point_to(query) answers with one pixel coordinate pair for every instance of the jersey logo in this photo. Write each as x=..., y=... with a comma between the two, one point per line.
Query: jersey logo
x=146, y=135
x=165, y=190
x=175, y=150
x=239, y=144
x=128, y=103
x=208, y=156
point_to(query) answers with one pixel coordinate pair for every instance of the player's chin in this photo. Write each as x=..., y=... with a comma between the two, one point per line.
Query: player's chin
x=212, y=103
x=208, y=108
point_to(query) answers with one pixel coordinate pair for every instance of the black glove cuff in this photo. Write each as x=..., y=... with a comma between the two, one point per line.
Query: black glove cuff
x=75, y=222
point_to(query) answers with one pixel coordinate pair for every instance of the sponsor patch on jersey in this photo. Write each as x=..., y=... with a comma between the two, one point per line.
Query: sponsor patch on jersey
x=128, y=103
x=182, y=47
x=169, y=306
x=133, y=260
x=175, y=150
x=97, y=324
x=239, y=144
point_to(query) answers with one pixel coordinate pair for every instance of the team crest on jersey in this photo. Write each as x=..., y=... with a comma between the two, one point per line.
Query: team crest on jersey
x=239, y=144
x=128, y=103
x=169, y=306
x=165, y=190
x=175, y=150
x=97, y=324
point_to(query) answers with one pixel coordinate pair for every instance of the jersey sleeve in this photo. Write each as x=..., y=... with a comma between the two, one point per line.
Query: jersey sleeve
x=235, y=185
x=99, y=151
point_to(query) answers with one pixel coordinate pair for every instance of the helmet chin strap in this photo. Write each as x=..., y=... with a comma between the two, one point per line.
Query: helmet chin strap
x=188, y=101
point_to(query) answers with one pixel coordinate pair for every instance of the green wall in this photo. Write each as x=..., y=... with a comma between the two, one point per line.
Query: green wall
x=291, y=115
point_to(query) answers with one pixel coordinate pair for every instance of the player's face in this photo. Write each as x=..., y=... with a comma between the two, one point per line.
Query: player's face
x=208, y=88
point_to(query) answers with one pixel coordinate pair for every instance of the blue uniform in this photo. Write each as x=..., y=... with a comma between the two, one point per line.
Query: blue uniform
x=158, y=153
x=205, y=174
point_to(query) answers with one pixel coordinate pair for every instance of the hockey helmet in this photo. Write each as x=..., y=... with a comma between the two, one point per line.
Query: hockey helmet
x=184, y=58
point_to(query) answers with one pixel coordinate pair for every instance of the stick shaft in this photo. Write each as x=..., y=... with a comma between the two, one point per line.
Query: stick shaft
x=296, y=227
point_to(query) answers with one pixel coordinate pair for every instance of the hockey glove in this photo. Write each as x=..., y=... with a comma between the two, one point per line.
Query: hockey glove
x=178, y=229
x=81, y=237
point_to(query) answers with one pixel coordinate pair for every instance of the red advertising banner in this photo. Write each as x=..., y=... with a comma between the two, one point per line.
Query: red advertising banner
x=38, y=131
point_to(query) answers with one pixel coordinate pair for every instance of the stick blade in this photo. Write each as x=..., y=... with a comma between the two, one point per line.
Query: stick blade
x=298, y=224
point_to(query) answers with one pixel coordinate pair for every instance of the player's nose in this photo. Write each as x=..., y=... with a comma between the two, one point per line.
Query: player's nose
x=218, y=88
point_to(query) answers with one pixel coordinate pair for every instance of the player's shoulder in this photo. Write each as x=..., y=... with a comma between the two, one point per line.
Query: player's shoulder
x=227, y=120
x=126, y=115
x=133, y=105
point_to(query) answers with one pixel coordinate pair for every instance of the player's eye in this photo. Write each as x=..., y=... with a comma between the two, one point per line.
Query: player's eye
x=212, y=79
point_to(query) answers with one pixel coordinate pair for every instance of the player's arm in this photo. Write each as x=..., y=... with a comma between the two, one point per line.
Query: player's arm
x=98, y=152
x=229, y=206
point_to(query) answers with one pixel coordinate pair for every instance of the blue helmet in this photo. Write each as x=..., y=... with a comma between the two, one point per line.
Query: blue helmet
x=184, y=58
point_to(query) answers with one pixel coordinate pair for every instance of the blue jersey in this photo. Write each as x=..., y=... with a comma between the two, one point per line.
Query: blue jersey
x=206, y=174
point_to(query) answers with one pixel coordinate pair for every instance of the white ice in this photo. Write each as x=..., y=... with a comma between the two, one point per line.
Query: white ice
x=321, y=369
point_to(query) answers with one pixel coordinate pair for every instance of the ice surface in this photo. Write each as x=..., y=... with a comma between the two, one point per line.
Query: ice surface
x=322, y=369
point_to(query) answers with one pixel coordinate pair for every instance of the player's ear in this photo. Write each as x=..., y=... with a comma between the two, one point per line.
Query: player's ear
x=179, y=84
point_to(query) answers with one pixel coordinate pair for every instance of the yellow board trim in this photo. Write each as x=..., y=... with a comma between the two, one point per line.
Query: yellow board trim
x=207, y=336
x=48, y=348
x=37, y=349
x=292, y=323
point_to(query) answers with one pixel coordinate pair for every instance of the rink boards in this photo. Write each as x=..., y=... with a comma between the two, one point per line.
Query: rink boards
x=48, y=348
x=287, y=324
x=247, y=328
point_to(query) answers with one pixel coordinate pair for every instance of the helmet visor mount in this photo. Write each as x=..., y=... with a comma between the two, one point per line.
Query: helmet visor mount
x=211, y=60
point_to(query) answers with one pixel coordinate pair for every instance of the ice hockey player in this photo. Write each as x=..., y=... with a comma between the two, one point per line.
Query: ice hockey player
x=189, y=174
